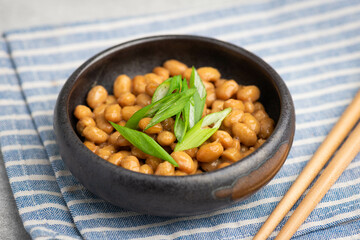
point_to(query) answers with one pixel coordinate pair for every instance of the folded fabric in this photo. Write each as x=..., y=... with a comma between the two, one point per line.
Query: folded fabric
x=313, y=45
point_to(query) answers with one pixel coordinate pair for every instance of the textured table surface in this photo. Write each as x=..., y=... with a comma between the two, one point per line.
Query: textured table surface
x=21, y=14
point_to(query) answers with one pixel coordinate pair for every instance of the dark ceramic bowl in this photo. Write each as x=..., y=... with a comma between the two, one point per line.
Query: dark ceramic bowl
x=178, y=195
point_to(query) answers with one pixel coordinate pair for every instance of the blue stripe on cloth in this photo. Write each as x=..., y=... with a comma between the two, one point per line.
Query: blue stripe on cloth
x=314, y=45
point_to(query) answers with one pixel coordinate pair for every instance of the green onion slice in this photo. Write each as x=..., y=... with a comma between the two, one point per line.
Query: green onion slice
x=180, y=127
x=182, y=118
x=162, y=90
x=198, y=134
x=171, y=108
x=175, y=84
x=196, y=82
x=144, y=143
x=198, y=103
x=167, y=87
x=150, y=110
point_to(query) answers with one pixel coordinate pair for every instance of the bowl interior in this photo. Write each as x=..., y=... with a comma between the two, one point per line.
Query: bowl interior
x=141, y=56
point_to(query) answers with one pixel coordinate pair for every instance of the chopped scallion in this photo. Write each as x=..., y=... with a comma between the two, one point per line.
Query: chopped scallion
x=198, y=134
x=145, y=143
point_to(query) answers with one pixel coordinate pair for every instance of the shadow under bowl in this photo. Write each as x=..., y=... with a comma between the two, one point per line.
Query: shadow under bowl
x=176, y=195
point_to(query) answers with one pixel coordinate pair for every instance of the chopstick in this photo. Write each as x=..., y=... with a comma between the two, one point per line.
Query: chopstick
x=336, y=136
x=332, y=172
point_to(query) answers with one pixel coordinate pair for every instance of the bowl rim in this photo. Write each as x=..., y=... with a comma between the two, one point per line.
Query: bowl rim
x=285, y=115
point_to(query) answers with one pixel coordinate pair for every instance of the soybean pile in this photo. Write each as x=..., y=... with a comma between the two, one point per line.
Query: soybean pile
x=242, y=131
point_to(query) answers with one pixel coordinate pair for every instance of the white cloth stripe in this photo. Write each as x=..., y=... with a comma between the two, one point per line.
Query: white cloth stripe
x=322, y=107
x=280, y=180
x=323, y=76
x=4, y=54
x=27, y=162
x=5, y=71
x=82, y=201
x=319, y=63
x=40, y=98
x=19, y=147
x=49, y=142
x=43, y=238
x=15, y=117
x=325, y=91
x=44, y=112
x=36, y=192
x=148, y=19
x=347, y=184
x=26, y=116
x=8, y=87
x=316, y=123
x=45, y=128
x=11, y=102
x=32, y=178
x=306, y=141
x=21, y=132
x=42, y=84
x=297, y=159
x=42, y=207
x=49, y=67
x=47, y=222
x=339, y=201
x=55, y=157
x=18, y=132
x=63, y=173
x=33, y=99
x=71, y=47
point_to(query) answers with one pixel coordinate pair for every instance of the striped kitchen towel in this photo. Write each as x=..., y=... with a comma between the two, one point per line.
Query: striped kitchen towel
x=313, y=45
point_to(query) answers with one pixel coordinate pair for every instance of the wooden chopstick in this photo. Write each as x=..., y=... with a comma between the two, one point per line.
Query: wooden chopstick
x=336, y=136
x=332, y=172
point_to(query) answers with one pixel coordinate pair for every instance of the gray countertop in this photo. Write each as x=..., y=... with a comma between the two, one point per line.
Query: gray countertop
x=22, y=13
x=11, y=226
